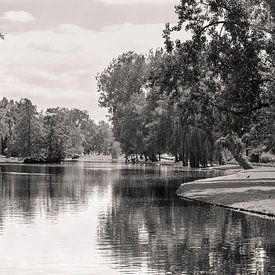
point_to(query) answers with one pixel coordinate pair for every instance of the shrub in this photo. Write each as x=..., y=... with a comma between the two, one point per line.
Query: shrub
x=267, y=157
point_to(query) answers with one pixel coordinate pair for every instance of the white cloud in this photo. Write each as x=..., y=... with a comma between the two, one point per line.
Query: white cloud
x=57, y=67
x=18, y=16
x=70, y=28
x=129, y=2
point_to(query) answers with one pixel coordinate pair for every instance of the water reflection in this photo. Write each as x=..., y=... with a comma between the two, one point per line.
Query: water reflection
x=31, y=190
x=147, y=226
x=99, y=218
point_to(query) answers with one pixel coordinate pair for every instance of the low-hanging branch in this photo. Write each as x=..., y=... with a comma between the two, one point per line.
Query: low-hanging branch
x=210, y=25
x=259, y=106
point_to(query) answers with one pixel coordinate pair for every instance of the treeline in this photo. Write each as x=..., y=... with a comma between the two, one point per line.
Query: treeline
x=50, y=136
x=195, y=97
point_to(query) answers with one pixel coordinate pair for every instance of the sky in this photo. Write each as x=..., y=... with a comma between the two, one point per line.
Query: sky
x=53, y=49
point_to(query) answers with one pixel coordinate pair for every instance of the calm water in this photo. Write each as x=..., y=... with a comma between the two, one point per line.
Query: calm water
x=104, y=218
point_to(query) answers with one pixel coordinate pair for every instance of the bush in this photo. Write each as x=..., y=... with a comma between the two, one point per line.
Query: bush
x=254, y=155
x=267, y=157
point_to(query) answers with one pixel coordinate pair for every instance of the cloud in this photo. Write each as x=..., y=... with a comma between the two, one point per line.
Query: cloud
x=133, y=2
x=57, y=67
x=89, y=14
x=18, y=16
x=70, y=28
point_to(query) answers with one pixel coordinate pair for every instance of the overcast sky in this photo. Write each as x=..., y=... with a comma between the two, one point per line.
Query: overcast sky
x=54, y=48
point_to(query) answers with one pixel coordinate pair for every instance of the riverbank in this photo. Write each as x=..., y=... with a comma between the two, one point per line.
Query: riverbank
x=95, y=158
x=3, y=159
x=245, y=190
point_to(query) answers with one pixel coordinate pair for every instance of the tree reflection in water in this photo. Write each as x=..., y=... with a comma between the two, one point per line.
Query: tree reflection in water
x=141, y=226
x=29, y=191
x=148, y=227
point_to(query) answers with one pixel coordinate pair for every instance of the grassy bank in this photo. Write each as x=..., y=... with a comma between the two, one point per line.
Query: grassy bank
x=249, y=190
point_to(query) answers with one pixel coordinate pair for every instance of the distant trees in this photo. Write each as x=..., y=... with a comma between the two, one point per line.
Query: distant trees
x=103, y=138
x=9, y=115
x=51, y=136
x=57, y=134
x=28, y=133
x=115, y=150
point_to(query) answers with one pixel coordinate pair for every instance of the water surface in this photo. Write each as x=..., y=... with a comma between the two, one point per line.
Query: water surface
x=104, y=218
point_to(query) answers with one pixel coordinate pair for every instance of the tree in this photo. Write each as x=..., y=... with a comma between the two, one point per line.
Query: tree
x=9, y=111
x=121, y=87
x=88, y=130
x=174, y=83
x=28, y=132
x=76, y=121
x=233, y=144
x=103, y=138
x=232, y=44
x=3, y=128
x=164, y=129
x=217, y=86
x=56, y=134
x=51, y=136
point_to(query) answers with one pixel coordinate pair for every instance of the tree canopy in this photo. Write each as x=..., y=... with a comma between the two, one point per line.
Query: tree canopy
x=50, y=136
x=219, y=85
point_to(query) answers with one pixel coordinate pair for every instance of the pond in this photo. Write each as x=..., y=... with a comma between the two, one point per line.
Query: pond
x=110, y=218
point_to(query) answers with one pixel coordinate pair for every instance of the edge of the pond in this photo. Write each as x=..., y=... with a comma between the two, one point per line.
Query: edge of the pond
x=248, y=191
x=240, y=210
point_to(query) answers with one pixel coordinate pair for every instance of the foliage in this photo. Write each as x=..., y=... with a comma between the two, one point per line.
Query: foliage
x=121, y=87
x=219, y=85
x=51, y=136
x=103, y=138
x=267, y=157
x=28, y=137
x=228, y=63
x=235, y=39
x=56, y=134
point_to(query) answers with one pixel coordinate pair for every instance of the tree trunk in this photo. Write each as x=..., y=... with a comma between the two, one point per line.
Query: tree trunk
x=242, y=161
x=126, y=158
x=183, y=159
x=176, y=157
x=233, y=144
x=146, y=157
x=8, y=155
x=152, y=157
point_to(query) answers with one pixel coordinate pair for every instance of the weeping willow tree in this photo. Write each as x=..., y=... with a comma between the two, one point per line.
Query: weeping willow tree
x=196, y=148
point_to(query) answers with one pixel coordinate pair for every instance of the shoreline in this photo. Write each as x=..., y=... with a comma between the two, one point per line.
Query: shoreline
x=249, y=191
x=10, y=160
